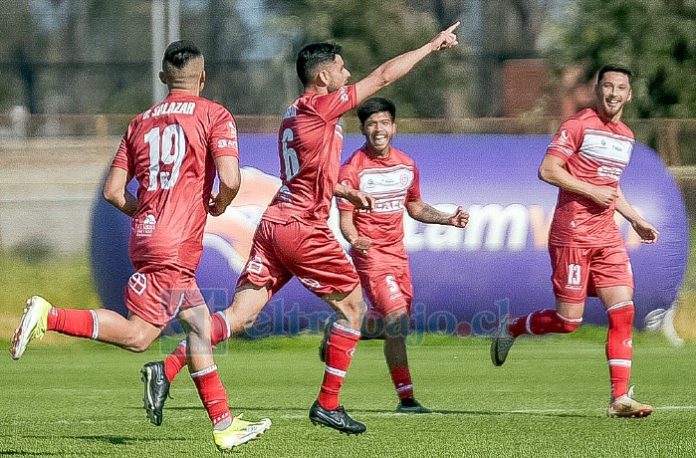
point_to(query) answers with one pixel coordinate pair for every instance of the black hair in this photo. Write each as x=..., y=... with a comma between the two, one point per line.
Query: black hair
x=179, y=53
x=376, y=105
x=313, y=55
x=615, y=68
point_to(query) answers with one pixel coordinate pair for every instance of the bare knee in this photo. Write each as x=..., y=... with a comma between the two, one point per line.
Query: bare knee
x=138, y=341
x=396, y=325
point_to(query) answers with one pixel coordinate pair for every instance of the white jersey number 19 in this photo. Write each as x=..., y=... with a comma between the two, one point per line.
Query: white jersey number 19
x=169, y=148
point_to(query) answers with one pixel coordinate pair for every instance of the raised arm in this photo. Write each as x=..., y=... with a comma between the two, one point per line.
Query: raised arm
x=399, y=66
x=553, y=171
x=230, y=181
x=646, y=231
x=420, y=211
x=116, y=193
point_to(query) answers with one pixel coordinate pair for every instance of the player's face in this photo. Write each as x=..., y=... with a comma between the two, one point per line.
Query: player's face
x=337, y=74
x=379, y=129
x=613, y=92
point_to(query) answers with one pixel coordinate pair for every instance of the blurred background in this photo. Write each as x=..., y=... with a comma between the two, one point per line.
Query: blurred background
x=74, y=72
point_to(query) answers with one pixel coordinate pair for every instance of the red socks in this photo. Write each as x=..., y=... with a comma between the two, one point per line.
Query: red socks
x=78, y=323
x=402, y=382
x=339, y=353
x=212, y=394
x=543, y=322
x=219, y=331
x=620, y=346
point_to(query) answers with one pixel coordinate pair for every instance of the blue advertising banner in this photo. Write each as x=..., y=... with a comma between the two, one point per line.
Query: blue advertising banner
x=463, y=279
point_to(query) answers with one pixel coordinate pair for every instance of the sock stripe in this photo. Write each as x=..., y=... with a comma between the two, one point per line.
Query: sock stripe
x=205, y=371
x=528, y=324
x=346, y=329
x=334, y=371
x=401, y=389
x=619, y=305
x=569, y=320
x=222, y=315
x=620, y=362
x=95, y=325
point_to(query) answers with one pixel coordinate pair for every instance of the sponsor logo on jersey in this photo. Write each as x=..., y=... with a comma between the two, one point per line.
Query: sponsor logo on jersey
x=146, y=227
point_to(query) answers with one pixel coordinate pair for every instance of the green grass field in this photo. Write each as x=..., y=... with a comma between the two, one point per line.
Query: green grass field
x=84, y=399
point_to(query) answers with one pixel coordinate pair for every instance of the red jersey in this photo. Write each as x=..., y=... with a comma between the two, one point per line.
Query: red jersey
x=392, y=181
x=170, y=150
x=596, y=152
x=309, y=143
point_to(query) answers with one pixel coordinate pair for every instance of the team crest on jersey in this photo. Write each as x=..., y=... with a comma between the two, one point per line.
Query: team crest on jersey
x=138, y=283
x=344, y=94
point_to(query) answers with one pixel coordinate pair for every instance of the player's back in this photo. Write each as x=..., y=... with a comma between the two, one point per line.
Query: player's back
x=596, y=152
x=309, y=144
x=168, y=149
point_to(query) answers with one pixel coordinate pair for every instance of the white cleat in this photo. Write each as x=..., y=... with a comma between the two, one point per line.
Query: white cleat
x=627, y=407
x=32, y=325
x=239, y=432
x=502, y=342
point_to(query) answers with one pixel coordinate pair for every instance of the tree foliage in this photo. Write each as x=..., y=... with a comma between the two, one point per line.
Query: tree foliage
x=656, y=38
x=371, y=33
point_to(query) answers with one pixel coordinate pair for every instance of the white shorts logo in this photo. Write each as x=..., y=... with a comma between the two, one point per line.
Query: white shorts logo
x=255, y=265
x=137, y=282
x=310, y=283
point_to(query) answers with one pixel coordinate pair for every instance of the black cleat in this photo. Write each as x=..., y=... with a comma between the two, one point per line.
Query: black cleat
x=156, y=390
x=337, y=419
x=410, y=405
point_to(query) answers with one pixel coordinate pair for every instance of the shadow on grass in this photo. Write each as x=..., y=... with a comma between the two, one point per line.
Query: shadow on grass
x=108, y=439
x=558, y=414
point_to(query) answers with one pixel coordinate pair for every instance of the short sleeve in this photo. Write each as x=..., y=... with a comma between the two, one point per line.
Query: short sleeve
x=335, y=104
x=347, y=176
x=223, y=134
x=567, y=140
x=413, y=192
x=124, y=157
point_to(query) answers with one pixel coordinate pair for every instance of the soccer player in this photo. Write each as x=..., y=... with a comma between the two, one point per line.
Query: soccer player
x=585, y=161
x=376, y=238
x=173, y=149
x=293, y=237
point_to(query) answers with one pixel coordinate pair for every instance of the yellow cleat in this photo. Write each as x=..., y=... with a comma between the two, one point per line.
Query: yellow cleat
x=239, y=432
x=32, y=325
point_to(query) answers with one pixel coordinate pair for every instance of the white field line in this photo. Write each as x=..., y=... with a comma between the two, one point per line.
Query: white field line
x=358, y=414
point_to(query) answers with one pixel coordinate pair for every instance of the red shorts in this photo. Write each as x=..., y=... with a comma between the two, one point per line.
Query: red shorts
x=156, y=293
x=578, y=272
x=388, y=290
x=311, y=253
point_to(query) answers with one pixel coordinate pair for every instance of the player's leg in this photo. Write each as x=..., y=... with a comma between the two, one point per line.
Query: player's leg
x=612, y=274
x=133, y=333
x=570, y=279
x=248, y=302
x=343, y=337
x=228, y=431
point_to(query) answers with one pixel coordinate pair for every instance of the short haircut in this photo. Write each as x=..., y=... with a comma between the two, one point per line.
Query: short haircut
x=313, y=55
x=376, y=105
x=615, y=68
x=179, y=53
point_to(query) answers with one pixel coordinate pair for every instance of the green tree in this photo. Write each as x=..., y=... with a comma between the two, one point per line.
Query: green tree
x=656, y=38
x=370, y=33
